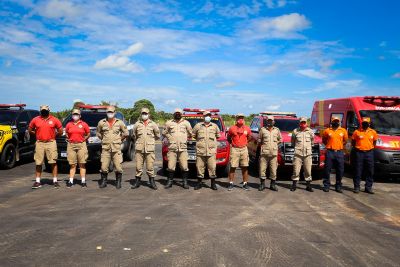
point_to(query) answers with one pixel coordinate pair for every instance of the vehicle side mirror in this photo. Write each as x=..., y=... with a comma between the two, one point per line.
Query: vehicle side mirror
x=22, y=124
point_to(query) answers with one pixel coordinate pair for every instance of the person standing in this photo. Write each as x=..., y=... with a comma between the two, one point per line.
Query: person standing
x=363, y=142
x=270, y=138
x=77, y=132
x=239, y=135
x=145, y=133
x=177, y=131
x=111, y=131
x=302, y=141
x=45, y=127
x=334, y=139
x=206, y=134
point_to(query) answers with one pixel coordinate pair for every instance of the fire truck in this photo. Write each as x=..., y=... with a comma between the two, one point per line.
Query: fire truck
x=384, y=112
x=194, y=116
x=286, y=122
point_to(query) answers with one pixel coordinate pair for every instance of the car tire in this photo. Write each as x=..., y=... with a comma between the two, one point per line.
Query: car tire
x=8, y=157
x=130, y=153
x=223, y=171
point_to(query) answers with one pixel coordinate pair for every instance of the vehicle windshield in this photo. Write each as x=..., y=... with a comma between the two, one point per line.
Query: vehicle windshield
x=7, y=117
x=384, y=122
x=285, y=125
x=194, y=120
x=92, y=119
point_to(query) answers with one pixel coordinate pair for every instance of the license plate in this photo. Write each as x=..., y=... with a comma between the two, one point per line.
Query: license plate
x=192, y=157
x=63, y=154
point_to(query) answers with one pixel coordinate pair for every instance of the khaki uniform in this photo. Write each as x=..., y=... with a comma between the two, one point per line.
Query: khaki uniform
x=145, y=142
x=177, y=134
x=302, y=142
x=269, y=141
x=77, y=153
x=206, y=148
x=111, y=137
x=45, y=149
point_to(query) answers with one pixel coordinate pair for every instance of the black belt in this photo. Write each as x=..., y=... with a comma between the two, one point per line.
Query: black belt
x=333, y=150
x=363, y=151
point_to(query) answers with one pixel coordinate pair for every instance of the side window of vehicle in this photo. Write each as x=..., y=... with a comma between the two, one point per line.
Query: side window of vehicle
x=119, y=116
x=351, y=122
x=33, y=114
x=23, y=119
x=258, y=125
x=253, y=125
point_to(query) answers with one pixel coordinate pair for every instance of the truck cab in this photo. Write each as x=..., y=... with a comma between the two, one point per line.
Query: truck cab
x=194, y=116
x=384, y=112
x=286, y=122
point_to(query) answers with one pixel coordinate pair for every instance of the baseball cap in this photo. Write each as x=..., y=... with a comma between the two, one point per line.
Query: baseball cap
x=239, y=115
x=366, y=119
x=206, y=112
x=110, y=109
x=178, y=110
x=270, y=117
x=335, y=118
x=44, y=107
x=76, y=111
x=145, y=110
x=303, y=119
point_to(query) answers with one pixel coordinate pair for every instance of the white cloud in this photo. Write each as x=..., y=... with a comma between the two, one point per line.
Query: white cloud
x=58, y=9
x=121, y=60
x=273, y=107
x=396, y=75
x=207, y=8
x=225, y=84
x=346, y=85
x=311, y=73
x=283, y=27
x=277, y=3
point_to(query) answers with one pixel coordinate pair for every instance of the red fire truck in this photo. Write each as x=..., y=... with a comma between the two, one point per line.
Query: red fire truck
x=384, y=112
x=194, y=116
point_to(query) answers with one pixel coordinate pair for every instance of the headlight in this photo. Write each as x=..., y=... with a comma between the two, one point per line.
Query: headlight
x=94, y=140
x=222, y=144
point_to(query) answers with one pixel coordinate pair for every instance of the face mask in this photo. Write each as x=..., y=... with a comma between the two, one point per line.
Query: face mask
x=240, y=121
x=207, y=119
x=365, y=125
x=335, y=124
x=270, y=124
x=145, y=117
x=177, y=116
x=75, y=117
x=110, y=115
x=303, y=125
x=44, y=113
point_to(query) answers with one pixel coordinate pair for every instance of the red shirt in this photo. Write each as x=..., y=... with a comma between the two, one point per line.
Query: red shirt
x=239, y=135
x=76, y=131
x=45, y=128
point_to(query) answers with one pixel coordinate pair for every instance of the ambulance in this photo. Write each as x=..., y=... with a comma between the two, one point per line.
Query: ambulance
x=384, y=112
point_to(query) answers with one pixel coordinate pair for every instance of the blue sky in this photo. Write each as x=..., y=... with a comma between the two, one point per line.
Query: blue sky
x=239, y=56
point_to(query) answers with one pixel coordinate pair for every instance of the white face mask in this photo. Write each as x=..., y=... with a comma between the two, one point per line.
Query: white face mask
x=75, y=117
x=145, y=117
x=110, y=115
x=207, y=119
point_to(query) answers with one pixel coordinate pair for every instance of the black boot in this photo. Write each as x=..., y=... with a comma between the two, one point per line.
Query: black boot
x=262, y=185
x=103, y=180
x=273, y=186
x=118, y=177
x=152, y=183
x=294, y=186
x=308, y=187
x=338, y=188
x=137, y=182
x=213, y=184
x=170, y=177
x=184, y=178
x=199, y=184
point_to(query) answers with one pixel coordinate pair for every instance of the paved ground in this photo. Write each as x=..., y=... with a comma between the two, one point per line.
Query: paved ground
x=176, y=227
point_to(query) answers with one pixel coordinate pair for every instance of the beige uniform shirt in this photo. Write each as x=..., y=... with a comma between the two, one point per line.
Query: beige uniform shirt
x=145, y=136
x=206, y=138
x=177, y=134
x=303, y=141
x=269, y=141
x=111, y=136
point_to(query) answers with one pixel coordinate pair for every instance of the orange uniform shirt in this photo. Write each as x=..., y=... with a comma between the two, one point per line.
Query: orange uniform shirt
x=334, y=139
x=364, y=139
x=239, y=135
x=45, y=128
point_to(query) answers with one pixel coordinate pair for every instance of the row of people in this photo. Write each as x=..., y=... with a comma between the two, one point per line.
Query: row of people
x=113, y=131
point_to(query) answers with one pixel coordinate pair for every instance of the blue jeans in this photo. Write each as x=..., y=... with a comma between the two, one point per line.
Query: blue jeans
x=364, y=163
x=333, y=159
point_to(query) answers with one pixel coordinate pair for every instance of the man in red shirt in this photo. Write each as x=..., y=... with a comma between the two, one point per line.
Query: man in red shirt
x=239, y=135
x=44, y=127
x=77, y=132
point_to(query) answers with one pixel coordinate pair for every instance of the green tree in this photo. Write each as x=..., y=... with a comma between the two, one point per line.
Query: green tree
x=137, y=108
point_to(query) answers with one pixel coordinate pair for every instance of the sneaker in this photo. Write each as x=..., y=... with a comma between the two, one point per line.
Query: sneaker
x=325, y=189
x=369, y=191
x=83, y=185
x=356, y=190
x=230, y=187
x=56, y=185
x=36, y=185
x=246, y=186
x=339, y=189
x=69, y=184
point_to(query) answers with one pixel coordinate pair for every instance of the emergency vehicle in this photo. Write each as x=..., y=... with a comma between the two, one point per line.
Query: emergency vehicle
x=15, y=141
x=194, y=116
x=92, y=114
x=286, y=122
x=384, y=112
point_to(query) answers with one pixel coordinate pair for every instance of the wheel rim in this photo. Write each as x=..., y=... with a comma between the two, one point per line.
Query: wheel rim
x=10, y=154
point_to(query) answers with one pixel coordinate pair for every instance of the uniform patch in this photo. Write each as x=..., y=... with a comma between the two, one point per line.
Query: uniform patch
x=80, y=126
x=50, y=122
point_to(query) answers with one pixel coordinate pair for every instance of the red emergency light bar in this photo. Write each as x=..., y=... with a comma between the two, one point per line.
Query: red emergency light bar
x=278, y=113
x=215, y=110
x=382, y=101
x=92, y=107
x=9, y=106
